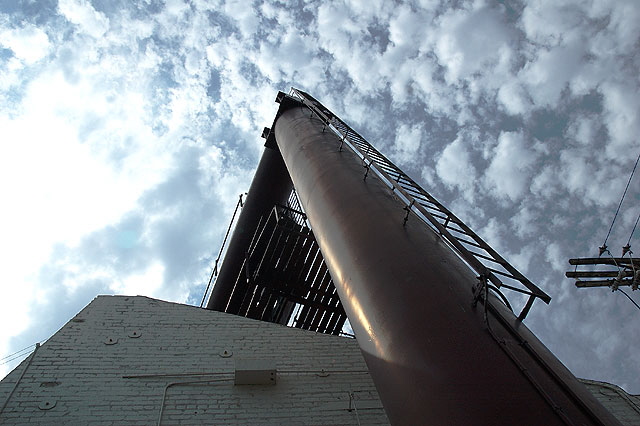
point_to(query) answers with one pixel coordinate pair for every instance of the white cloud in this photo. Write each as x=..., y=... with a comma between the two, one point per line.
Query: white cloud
x=514, y=98
x=580, y=176
x=82, y=153
x=82, y=14
x=455, y=168
x=407, y=27
x=290, y=55
x=58, y=185
x=342, y=35
x=555, y=257
x=546, y=182
x=492, y=234
x=370, y=11
x=428, y=176
x=523, y=259
x=583, y=129
x=407, y=143
x=549, y=23
x=622, y=120
x=147, y=282
x=176, y=7
x=550, y=73
x=624, y=19
x=244, y=16
x=510, y=169
x=469, y=41
x=524, y=222
x=29, y=43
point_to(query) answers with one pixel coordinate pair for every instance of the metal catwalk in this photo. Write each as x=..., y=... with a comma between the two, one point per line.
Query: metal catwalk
x=284, y=278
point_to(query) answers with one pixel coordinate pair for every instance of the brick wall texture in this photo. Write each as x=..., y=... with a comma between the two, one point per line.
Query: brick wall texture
x=136, y=360
x=625, y=407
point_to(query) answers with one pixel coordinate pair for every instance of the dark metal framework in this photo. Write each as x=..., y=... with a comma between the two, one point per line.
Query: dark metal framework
x=473, y=250
x=284, y=279
x=401, y=266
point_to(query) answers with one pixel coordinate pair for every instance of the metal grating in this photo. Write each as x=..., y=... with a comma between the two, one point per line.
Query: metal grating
x=493, y=270
x=284, y=278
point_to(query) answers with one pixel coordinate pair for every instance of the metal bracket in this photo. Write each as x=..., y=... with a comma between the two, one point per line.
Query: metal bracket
x=47, y=404
x=479, y=289
x=408, y=209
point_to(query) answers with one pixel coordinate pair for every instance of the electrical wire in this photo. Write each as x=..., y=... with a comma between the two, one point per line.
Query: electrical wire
x=15, y=386
x=633, y=230
x=634, y=277
x=629, y=297
x=21, y=355
x=18, y=354
x=604, y=245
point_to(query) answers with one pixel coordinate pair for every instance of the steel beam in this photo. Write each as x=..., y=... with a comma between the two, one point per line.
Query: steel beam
x=435, y=356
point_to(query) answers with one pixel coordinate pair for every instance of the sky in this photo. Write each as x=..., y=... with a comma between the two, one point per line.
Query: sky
x=129, y=128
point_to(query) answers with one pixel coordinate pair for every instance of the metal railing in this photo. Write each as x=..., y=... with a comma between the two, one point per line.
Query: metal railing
x=475, y=252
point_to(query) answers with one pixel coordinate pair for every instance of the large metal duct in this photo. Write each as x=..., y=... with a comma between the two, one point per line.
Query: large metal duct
x=435, y=356
x=271, y=185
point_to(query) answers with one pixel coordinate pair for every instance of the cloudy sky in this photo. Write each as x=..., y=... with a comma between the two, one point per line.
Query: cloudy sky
x=128, y=129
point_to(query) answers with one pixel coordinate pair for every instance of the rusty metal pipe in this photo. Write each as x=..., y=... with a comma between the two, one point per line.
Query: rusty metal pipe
x=434, y=357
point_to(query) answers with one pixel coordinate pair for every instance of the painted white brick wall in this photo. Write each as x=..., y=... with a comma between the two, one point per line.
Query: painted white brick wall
x=85, y=379
x=622, y=405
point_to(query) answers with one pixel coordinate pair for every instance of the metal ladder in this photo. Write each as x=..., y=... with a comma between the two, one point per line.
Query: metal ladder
x=475, y=252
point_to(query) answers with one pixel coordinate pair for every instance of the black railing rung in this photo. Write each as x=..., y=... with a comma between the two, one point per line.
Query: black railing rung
x=463, y=232
x=491, y=259
x=504, y=274
x=471, y=243
x=431, y=204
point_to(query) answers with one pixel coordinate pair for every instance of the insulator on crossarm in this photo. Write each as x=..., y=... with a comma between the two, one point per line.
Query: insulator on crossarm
x=618, y=280
x=602, y=249
x=626, y=249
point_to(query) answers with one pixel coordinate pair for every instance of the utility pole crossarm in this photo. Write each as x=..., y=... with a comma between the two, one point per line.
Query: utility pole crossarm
x=616, y=272
x=602, y=283
x=619, y=261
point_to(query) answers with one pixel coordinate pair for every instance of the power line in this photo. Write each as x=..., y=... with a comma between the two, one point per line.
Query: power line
x=24, y=370
x=604, y=245
x=633, y=230
x=629, y=297
x=19, y=354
